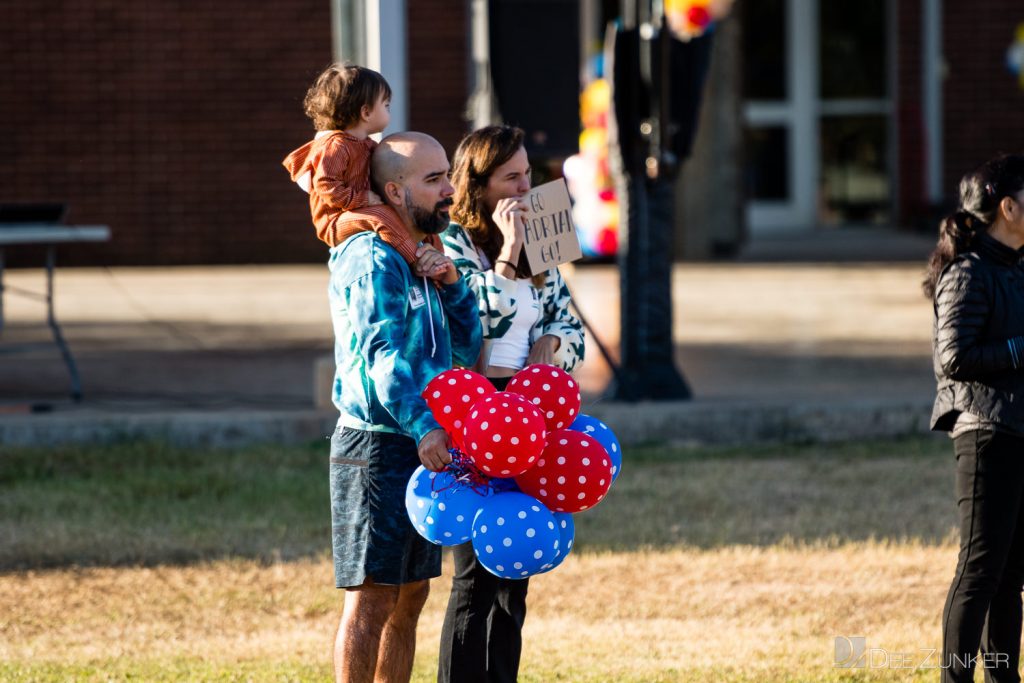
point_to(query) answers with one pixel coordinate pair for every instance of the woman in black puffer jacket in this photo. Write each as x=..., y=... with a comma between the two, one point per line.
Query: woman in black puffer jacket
x=976, y=279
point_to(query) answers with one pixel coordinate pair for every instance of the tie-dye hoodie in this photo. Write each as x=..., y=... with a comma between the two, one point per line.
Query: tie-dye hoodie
x=394, y=332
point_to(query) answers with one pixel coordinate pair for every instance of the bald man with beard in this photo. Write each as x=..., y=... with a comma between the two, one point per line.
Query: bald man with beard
x=396, y=326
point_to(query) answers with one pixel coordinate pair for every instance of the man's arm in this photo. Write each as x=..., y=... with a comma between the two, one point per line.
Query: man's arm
x=467, y=334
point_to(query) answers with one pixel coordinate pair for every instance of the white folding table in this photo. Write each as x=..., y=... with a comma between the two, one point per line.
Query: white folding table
x=49, y=236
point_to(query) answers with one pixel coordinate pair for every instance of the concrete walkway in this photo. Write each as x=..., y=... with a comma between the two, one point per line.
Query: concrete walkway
x=227, y=354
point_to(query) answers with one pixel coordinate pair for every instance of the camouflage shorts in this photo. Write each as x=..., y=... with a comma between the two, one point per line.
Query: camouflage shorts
x=371, y=532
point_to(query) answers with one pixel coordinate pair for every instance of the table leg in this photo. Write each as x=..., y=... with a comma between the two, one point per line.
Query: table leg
x=51, y=320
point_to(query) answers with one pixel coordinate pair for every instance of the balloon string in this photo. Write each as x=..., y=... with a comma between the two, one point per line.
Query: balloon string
x=464, y=473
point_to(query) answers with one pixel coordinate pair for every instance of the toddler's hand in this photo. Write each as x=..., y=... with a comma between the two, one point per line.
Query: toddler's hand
x=445, y=273
x=435, y=265
x=372, y=198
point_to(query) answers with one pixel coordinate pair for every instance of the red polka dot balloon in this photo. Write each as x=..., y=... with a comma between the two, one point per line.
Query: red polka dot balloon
x=573, y=474
x=551, y=389
x=504, y=434
x=451, y=394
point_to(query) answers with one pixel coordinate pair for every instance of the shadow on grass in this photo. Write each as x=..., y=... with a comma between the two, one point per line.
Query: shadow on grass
x=800, y=494
x=149, y=503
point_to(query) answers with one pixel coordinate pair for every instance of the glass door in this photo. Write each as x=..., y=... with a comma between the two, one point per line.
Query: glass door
x=781, y=127
x=817, y=114
x=856, y=136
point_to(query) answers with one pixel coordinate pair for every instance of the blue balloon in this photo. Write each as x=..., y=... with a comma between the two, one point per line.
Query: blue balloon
x=605, y=436
x=503, y=485
x=567, y=533
x=514, y=535
x=442, y=507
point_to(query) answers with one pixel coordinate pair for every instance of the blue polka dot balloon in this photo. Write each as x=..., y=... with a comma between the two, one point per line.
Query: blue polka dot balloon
x=503, y=485
x=567, y=534
x=514, y=535
x=605, y=436
x=442, y=507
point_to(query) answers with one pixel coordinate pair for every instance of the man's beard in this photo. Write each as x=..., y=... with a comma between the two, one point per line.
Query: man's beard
x=427, y=221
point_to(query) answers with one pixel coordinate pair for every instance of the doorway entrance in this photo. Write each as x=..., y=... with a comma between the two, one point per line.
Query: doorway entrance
x=820, y=143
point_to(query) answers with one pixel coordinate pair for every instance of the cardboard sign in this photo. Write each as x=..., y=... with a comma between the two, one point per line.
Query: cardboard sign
x=551, y=237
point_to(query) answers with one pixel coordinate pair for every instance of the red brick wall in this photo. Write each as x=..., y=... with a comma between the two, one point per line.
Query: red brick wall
x=984, y=105
x=168, y=120
x=438, y=68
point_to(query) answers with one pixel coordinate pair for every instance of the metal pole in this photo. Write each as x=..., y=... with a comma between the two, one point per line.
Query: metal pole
x=931, y=48
x=1, y=290
x=51, y=320
x=605, y=353
x=482, y=106
x=645, y=191
x=348, y=30
x=385, y=32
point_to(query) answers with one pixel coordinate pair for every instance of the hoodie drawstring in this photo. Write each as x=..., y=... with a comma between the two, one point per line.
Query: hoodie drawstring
x=430, y=316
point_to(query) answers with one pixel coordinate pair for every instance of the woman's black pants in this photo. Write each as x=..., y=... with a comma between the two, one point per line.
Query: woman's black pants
x=983, y=607
x=481, y=639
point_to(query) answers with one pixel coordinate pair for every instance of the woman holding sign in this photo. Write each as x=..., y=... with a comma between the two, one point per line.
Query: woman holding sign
x=526, y=320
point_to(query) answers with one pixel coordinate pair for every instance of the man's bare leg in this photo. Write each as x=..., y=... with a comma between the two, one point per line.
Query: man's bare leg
x=367, y=610
x=398, y=642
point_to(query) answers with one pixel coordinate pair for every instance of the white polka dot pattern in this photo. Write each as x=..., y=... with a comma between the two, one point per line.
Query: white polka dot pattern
x=573, y=474
x=441, y=508
x=600, y=431
x=449, y=396
x=552, y=390
x=504, y=434
x=567, y=536
x=515, y=537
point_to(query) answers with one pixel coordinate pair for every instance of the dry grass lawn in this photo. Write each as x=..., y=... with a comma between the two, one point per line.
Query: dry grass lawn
x=737, y=613
x=701, y=566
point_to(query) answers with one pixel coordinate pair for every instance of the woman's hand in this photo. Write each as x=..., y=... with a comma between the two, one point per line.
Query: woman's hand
x=509, y=217
x=543, y=350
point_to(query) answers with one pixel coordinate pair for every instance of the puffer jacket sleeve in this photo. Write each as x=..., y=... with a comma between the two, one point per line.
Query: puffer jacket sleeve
x=559, y=321
x=495, y=294
x=962, y=307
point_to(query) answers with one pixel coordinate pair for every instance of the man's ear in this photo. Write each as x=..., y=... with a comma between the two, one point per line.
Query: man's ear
x=393, y=194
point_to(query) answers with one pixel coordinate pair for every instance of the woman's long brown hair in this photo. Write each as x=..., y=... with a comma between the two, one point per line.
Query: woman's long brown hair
x=477, y=157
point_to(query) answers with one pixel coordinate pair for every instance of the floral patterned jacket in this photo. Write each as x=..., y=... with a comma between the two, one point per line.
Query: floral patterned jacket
x=495, y=295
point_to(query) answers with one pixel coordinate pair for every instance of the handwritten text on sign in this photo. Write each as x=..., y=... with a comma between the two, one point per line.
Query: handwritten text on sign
x=550, y=234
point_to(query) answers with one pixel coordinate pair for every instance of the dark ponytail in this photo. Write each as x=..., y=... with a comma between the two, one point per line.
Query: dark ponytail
x=981, y=191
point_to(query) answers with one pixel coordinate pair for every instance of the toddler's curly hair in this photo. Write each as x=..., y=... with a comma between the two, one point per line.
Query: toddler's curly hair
x=335, y=100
